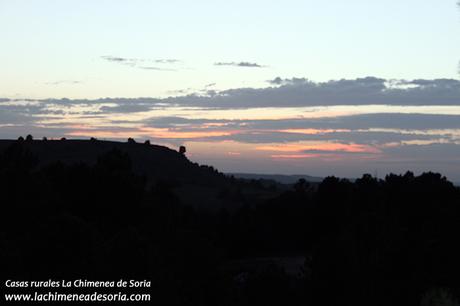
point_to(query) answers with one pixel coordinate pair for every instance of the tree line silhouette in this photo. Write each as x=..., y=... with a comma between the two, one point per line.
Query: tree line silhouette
x=365, y=242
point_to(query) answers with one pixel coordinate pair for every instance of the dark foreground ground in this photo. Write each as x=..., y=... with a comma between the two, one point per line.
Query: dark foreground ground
x=105, y=211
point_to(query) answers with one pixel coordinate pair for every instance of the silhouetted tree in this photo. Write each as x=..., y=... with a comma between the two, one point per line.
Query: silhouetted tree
x=29, y=138
x=182, y=150
x=301, y=185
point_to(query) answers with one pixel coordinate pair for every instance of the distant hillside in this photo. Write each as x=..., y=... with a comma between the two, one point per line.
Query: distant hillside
x=279, y=178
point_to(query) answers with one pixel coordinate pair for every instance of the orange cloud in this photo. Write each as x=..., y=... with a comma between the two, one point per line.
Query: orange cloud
x=322, y=146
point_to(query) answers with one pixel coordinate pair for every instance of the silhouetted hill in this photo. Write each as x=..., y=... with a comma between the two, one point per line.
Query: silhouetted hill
x=153, y=161
x=201, y=186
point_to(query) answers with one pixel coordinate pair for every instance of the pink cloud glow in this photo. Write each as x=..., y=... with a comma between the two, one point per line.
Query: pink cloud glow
x=321, y=146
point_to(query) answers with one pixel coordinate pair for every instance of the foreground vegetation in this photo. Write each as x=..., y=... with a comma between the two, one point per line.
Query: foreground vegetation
x=367, y=242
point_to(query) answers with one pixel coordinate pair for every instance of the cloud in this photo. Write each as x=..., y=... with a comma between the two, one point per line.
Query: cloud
x=64, y=82
x=382, y=137
x=20, y=113
x=205, y=91
x=362, y=121
x=300, y=92
x=101, y=102
x=167, y=61
x=293, y=81
x=318, y=147
x=156, y=68
x=358, y=129
x=172, y=122
x=127, y=108
x=114, y=58
x=239, y=64
x=142, y=63
x=375, y=129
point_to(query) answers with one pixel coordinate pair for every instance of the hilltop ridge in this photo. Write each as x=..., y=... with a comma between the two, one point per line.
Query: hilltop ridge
x=200, y=186
x=155, y=162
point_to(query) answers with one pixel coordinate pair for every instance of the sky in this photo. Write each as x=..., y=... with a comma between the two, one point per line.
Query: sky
x=292, y=87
